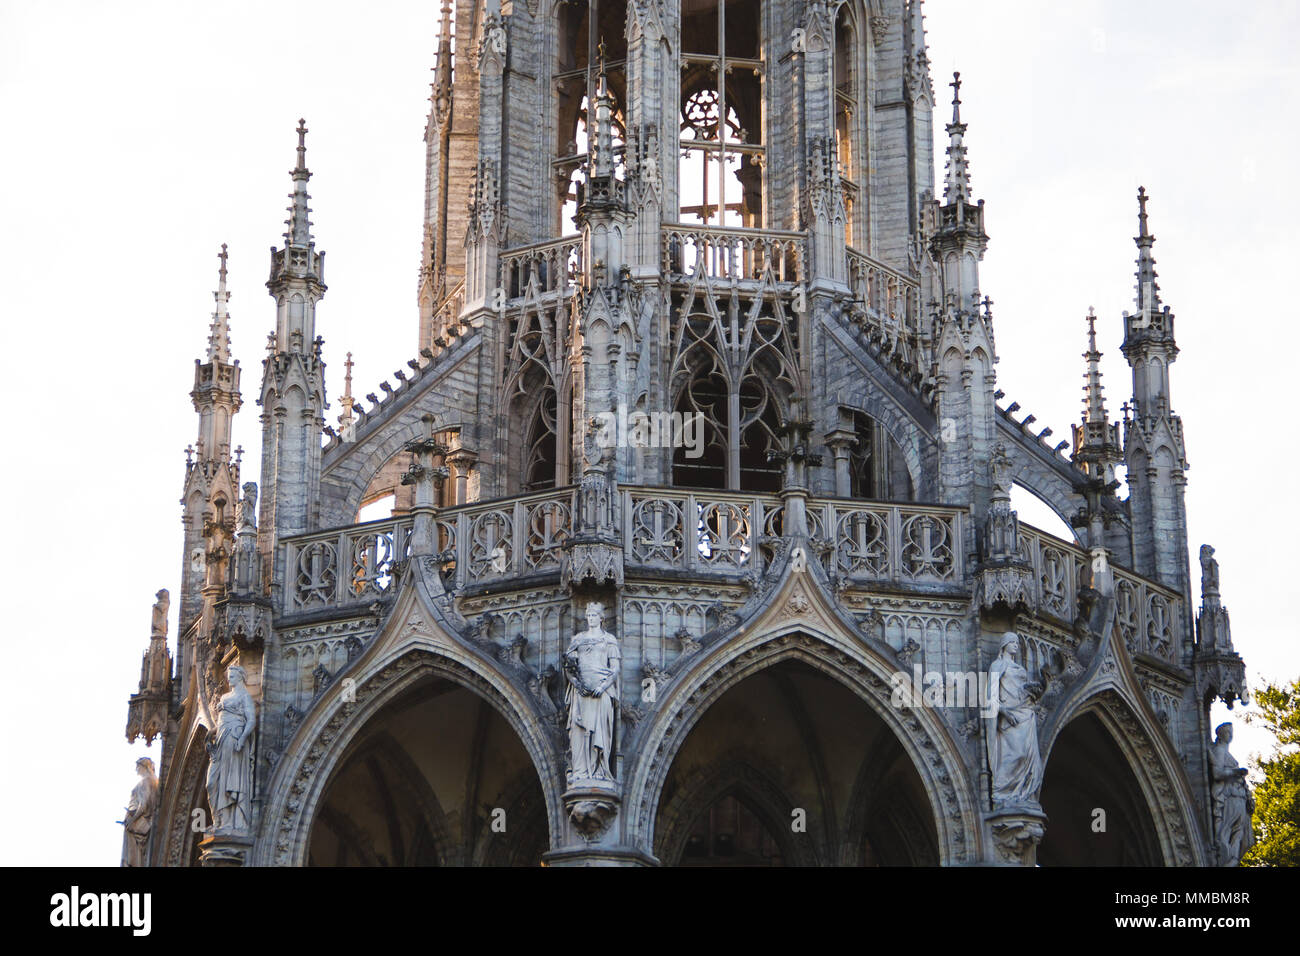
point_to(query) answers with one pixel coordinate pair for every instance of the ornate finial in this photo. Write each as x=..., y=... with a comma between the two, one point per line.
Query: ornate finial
x=1148, y=292
x=956, y=188
x=219, y=330
x=1094, y=408
x=299, y=231
x=346, y=400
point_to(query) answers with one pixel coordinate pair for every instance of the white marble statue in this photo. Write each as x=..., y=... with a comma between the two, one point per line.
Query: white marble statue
x=1232, y=800
x=230, y=772
x=139, y=815
x=1013, y=728
x=591, y=666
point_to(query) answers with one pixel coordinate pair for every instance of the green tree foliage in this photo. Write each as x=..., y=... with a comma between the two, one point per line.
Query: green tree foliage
x=1277, y=799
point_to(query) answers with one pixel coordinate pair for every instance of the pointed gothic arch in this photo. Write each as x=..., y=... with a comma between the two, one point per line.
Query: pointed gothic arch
x=180, y=847
x=1104, y=750
x=929, y=750
x=745, y=789
x=410, y=658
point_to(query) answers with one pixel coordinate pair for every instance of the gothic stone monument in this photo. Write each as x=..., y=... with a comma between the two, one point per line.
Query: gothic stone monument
x=718, y=222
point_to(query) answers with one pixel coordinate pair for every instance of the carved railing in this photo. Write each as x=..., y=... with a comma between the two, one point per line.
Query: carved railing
x=708, y=534
x=478, y=543
x=886, y=301
x=896, y=544
x=718, y=532
x=699, y=532
x=733, y=253
x=550, y=266
x=345, y=566
x=1146, y=613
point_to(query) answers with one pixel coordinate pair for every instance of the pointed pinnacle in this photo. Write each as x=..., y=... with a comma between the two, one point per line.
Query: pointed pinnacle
x=956, y=98
x=1093, y=403
x=298, y=231
x=219, y=334
x=1148, y=291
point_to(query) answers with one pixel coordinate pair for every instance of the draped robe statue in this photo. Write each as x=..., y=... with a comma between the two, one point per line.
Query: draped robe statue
x=1013, y=729
x=1232, y=801
x=139, y=815
x=591, y=665
x=230, y=772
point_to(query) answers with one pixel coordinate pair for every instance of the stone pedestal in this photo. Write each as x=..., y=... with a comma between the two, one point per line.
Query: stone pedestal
x=1015, y=833
x=224, y=849
x=592, y=807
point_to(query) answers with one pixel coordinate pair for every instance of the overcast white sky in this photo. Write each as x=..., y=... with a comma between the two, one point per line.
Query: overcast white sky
x=140, y=136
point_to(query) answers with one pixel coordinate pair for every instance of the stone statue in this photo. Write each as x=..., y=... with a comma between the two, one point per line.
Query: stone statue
x=248, y=507
x=158, y=627
x=591, y=666
x=1232, y=801
x=1209, y=571
x=230, y=772
x=1013, y=728
x=140, y=812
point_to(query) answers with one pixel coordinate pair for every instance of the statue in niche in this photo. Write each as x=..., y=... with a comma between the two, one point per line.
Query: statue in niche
x=1233, y=802
x=591, y=666
x=1013, y=728
x=139, y=814
x=230, y=772
x=158, y=627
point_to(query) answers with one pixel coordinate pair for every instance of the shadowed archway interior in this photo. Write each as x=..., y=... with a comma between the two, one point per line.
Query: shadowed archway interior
x=436, y=778
x=1086, y=772
x=790, y=767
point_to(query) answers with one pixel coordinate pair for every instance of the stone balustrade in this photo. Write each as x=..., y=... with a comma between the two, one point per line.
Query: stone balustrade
x=741, y=254
x=709, y=535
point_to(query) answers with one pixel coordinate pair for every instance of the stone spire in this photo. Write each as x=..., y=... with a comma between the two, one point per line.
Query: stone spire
x=293, y=375
x=1153, y=438
x=918, y=64
x=1094, y=405
x=297, y=271
x=433, y=285
x=299, y=231
x=956, y=188
x=346, y=400
x=436, y=132
x=1097, y=448
x=602, y=163
x=1149, y=331
x=963, y=335
x=1148, y=293
x=211, y=475
x=219, y=339
x=216, y=382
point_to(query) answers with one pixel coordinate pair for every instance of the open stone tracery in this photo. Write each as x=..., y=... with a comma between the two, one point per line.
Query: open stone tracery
x=683, y=638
